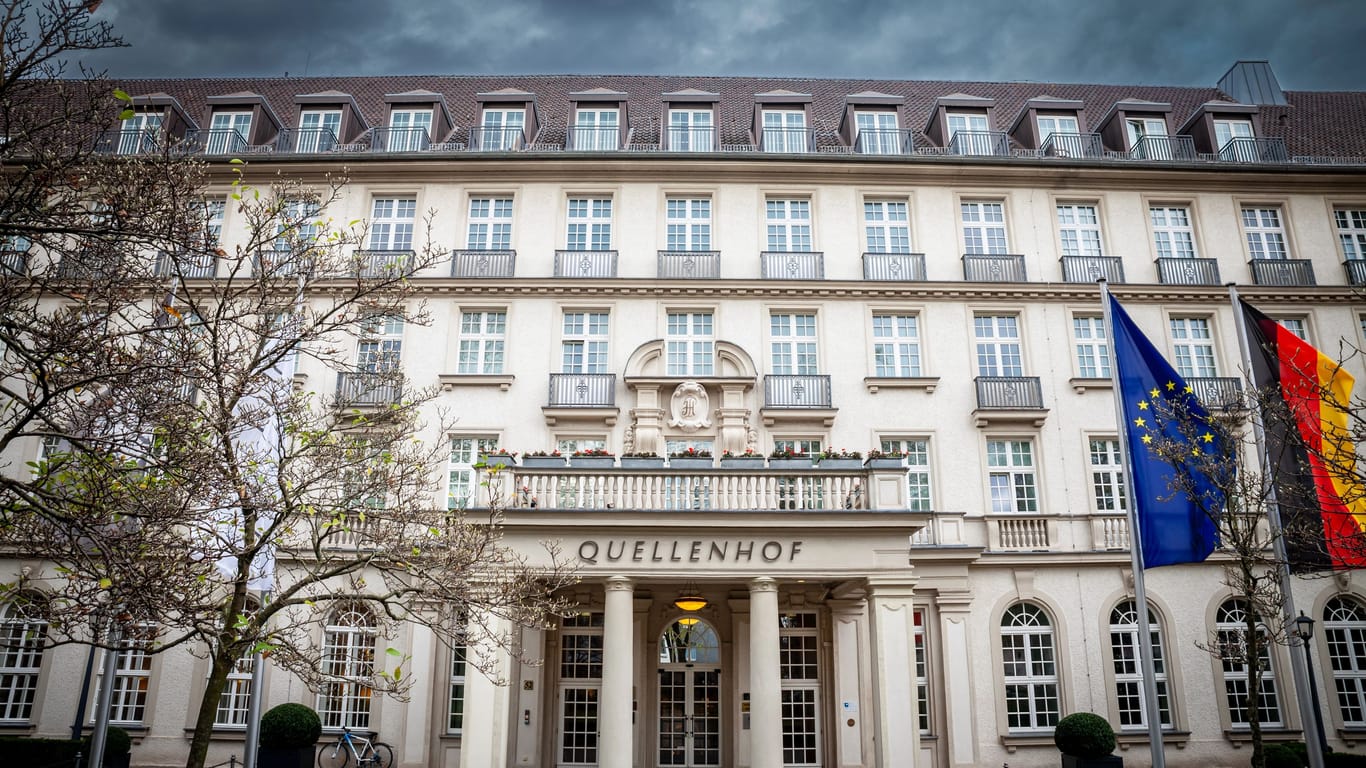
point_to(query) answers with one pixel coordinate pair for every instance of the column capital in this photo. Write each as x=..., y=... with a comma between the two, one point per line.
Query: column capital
x=619, y=584
x=763, y=584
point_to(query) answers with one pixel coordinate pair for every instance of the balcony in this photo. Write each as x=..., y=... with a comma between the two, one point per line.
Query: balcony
x=689, y=265
x=792, y=141
x=220, y=141
x=1163, y=148
x=585, y=263
x=382, y=263
x=1019, y=534
x=797, y=391
x=1009, y=392
x=582, y=390
x=884, y=141
x=14, y=262
x=281, y=263
x=306, y=140
x=489, y=139
x=477, y=264
x=197, y=265
x=90, y=264
x=1356, y=271
x=792, y=265
x=894, y=266
x=691, y=139
x=125, y=142
x=365, y=388
x=1178, y=271
x=994, y=268
x=993, y=143
x=1282, y=271
x=1072, y=145
x=1217, y=392
x=1250, y=150
x=399, y=139
x=1089, y=269
x=586, y=138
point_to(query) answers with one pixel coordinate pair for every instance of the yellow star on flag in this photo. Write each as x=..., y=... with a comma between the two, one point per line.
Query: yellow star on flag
x=1147, y=439
x=1154, y=393
x=1195, y=451
x=1171, y=386
x=1140, y=422
x=1188, y=389
x=1142, y=405
x=1207, y=437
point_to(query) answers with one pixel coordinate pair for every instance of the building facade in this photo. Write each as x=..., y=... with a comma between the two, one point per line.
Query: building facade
x=742, y=276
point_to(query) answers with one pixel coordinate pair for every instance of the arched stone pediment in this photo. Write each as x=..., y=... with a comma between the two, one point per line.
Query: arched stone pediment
x=668, y=405
x=732, y=362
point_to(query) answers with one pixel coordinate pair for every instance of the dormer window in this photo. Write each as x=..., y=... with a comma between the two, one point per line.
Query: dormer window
x=502, y=129
x=228, y=133
x=877, y=133
x=597, y=129
x=975, y=139
x=139, y=133
x=690, y=130
x=1228, y=130
x=1051, y=124
x=784, y=130
x=1140, y=128
x=319, y=130
x=409, y=130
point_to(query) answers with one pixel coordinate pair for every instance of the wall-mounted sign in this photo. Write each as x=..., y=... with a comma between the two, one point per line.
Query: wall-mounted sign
x=594, y=552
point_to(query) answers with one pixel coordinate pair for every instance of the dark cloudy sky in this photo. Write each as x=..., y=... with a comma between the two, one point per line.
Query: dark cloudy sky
x=1312, y=44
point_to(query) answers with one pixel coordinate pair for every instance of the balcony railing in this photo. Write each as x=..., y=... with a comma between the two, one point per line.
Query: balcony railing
x=1282, y=271
x=483, y=263
x=1110, y=531
x=1021, y=533
x=221, y=141
x=305, y=140
x=487, y=139
x=792, y=265
x=1221, y=392
x=14, y=262
x=1180, y=271
x=1009, y=392
x=1072, y=145
x=129, y=142
x=399, y=139
x=689, y=265
x=585, y=138
x=1356, y=271
x=280, y=264
x=1254, y=150
x=691, y=139
x=582, y=390
x=894, y=266
x=198, y=265
x=787, y=140
x=884, y=141
x=994, y=268
x=1089, y=269
x=377, y=263
x=979, y=143
x=94, y=264
x=368, y=388
x=799, y=391
x=585, y=263
x=1163, y=148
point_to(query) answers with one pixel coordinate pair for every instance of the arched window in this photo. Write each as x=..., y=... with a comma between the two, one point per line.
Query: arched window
x=1132, y=707
x=1030, y=668
x=348, y=664
x=23, y=632
x=1231, y=627
x=1344, y=626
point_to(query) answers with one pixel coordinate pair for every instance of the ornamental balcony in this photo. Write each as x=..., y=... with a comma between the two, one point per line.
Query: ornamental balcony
x=1180, y=271
x=14, y=262
x=306, y=140
x=399, y=139
x=1356, y=271
x=382, y=263
x=797, y=391
x=1254, y=150
x=994, y=268
x=894, y=266
x=588, y=138
x=585, y=263
x=792, y=265
x=197, y=265
x=695, y=139
x=1009, y=392
x=884, y=141
x=483, y=263
x=1163, y=148
x=992, y=143
x=368, y=388
x=1282, y=271
x=689, y=265
x=89, y=264
x=280, y=263
x=1224, y=393
x=1072, y=145
x=490, y=139
x=582, y=390
x=792, y=141
x=1089, y=269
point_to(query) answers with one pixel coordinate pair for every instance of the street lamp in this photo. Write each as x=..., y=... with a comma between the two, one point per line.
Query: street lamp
x=1304, y=630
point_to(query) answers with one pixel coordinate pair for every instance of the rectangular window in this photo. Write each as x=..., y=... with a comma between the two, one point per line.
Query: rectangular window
x=580, y=676
x=490, y=225
x=690, y=344
x=391, y=223
x=799, y=670
x=502, y=129
x=690, y=130
x=584, y=343
x=235, y=702
x=482, y=335
x=213, y=222
x=455, y=722
x=784, y=130
x=793, y=342
x=1010, y=465
x=922, y=672
x=1265, y=233
x=789, y=225
x=596, y=129
x=917, y=455
x=1173, y=233
x=1107, y=475
x=877, y=133
x=1296, y=325
x=1351, y=224
x=1093, y=351
x=132, y=681
x=998, y=345
x=228, y=133
x=1194, y=347
x=409, y=130
x=975, y=139
x=1227, y=130
x=319, y=130
x=465, y=453
x=380, y=347
x=297, y=226
x=984, y=227
x=139, y=133
x=887, y=226
x=688, y=223
x=590, y=224
x=1079, y=229
x=896, y=345
x=1051, y=124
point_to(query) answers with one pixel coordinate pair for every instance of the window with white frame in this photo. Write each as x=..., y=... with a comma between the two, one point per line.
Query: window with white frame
x=490, y=224
x=1107, y=474
x=799, y=492
x=234, y=704
x=319, y=130
x=348, y=663
x=916, y=452
x=409, y=130
x=380, y=347
x=1193, y=345
x=799, y=670
x=792, y=341
x=1132, y=706
x=1093, y=349
x=1296, y=325
x=23, y=633
x=1010, y=474
x=784, y=130
x=1344, y=627
x=502, y=129
x=688, y=223
x=690, y=344
x=455, y=710
x=896, y=345
x=1051, y=124
x=886, y=224
x=1079, y=229
x=984, y=227
x=391, y=223
x=139, y=133
x=213, y=221
x=1232, y=635
x=797, y=446
x=1265, y=232
x=596, y=128
x=998, y=349
x=690, y=130
x=590, y=224
x=1227, y=130
x=974, y=127
x=583, y=344
x=1351, y=223
x=461, y=478
x=297, y=226
x=877, y=132
x=1030, y=669
x=482, y=337
x=1139, y=128
x=568, y=445
x=789, y=224
x=1173, y=232
x=922, y=673
x=581, y=662
x=132, y=679
x=228, y=132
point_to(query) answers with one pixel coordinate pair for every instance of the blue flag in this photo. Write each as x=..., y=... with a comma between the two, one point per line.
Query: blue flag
x=1159, y=408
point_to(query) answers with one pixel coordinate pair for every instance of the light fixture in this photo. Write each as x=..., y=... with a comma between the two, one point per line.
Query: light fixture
x=1304, y=627
x=688, y=621
x=690, y=599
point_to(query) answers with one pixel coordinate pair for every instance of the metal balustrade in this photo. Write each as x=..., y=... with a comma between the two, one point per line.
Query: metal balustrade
x=368, y=388
x=305, y=140
x=399, y=139
x=696, y=139
x=994, y=268
x=219, y=141
x=92, y=264
x=884, y=141
x=585, y=263
x=582, y=138
x=582, y=390
x=689, y=265
x=1089, y=269
x=1218, y=392
x=797, y=391
x=1009, y=392
x=14, y=262
x=1254, y=150
x=477, y=263
x=1072, y=145
x=1022, y=533
x=281, y=263
x=120, y=141
x=792, y=141
x=792, y=265
x=1356, y=271
x=198, y=265
x=699, y=490
x=1163, y=148
x=994, y=143
x=1177, y=271
x=376, y=263
x=487, y=139
x=1282, y=271
x=894, y=266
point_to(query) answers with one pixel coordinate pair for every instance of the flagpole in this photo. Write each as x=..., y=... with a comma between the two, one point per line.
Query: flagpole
x=1298, y=668
x=1144, y=641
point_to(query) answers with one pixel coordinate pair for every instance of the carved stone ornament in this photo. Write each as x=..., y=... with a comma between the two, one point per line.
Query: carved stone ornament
x=689, y=407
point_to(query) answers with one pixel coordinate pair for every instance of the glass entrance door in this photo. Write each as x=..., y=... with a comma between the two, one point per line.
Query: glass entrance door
x=689, y=695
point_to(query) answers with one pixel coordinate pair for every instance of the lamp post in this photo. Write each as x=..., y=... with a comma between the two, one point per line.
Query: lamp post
x=1304, y=630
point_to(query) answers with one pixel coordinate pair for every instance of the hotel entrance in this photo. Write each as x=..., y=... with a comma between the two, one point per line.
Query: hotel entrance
x=689, y=695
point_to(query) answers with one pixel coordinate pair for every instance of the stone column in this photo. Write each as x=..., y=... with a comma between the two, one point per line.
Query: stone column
x=893, y=632
x=484, y=739
x=424, y=674
x=765, y=686
x=955, y=649
x=615, y=749
x=851, y=678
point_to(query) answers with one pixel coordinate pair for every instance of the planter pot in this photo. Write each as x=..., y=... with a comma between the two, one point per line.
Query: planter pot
x=498, y=459
x=642, y=462
x=1109, y=761
x=841, y=464
x=886, y=463
x=543, y=461
x=285, y=757
x=592, y=462
x=691, y=462
x=743, y=462
x=789, y=463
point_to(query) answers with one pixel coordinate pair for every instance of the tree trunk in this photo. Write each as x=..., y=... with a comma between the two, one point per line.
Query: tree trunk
x=1254, y=645
x=219, y=666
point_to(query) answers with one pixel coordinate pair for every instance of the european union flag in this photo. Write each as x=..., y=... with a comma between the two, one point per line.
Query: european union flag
x=1175, y=524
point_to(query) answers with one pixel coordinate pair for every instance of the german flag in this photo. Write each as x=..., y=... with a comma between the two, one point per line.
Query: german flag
x=1318, y=487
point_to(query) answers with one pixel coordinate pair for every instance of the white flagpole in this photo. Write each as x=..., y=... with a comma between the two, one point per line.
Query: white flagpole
x=108, y=671
x=1152, y=712
x=258, y=664
x=1299, y=670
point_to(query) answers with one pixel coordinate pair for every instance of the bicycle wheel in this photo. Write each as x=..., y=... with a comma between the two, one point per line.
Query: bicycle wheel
x=334, y=755
x=384, y=756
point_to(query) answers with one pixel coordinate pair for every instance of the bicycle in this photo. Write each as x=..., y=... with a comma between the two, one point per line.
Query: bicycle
x=367, y=755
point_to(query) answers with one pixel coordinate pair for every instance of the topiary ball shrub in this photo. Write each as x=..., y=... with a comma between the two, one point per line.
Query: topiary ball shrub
x=117, y=741
x=289, y=726
x=1083, y=734
x=1281, y=756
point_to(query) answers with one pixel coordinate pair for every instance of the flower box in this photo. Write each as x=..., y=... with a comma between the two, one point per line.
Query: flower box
x=498, y=459
x=742, y=462
x=886, y=462
x=792, y=463
x=592, y=462
x=690, y=462
x=642, y=462
x=543, y=461
x=841, y=463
